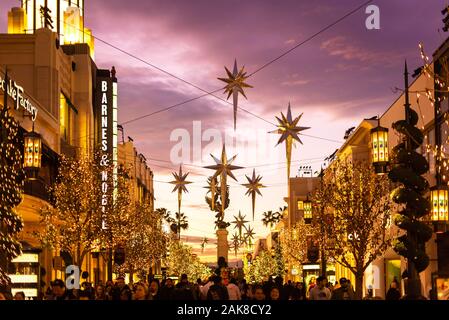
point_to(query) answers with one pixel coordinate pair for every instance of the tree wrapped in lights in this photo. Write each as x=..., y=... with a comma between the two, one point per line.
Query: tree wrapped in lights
x=278, y=257
x=123, y=216
x=294, y=242
x=146, y=244
x=322, y=219
x=261, y=268
x=73, y=224
x=180, y=260
x=361, y=213
x=11, y=189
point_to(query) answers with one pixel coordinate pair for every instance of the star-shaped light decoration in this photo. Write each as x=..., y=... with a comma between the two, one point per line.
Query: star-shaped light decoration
x=253, y=187
x=235, y=84
x=288, y=129
x=236, y=243
x=223, y=168
x=239, y=223
x=180, y=185
x=249, y=235
x=212, y=187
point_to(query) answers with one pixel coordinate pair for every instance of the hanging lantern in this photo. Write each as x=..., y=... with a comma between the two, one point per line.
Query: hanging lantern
x=379, y=145
x=439, y=204
x=33, y=150
x=307, y=211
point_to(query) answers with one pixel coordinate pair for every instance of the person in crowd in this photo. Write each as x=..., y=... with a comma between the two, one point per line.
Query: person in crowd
x=2, y=296
x=167, y=289
x=197, y=288
x=259, y=294
x=302, y=290
x=205, y=288
x=370, y=293
x=126, y=294
x=312, y=283
x=154, y=293
x=275, y=293
x=233, y=290
x=119, y=287
x=393, y=292
x=250, y=292
x=20, y=295
x=295, y=294
x=243, y=286
x=140, y=292
x=183, y=290
x=320, y=291
x=100, y=293
x=58, y=290
x=84, y=295
x=344, y=292
x=279, y=283
x=336, y=286
x=88, y=289
x=267, y=286
x=217, y=291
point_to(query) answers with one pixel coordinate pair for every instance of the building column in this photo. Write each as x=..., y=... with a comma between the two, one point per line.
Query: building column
x=222, y=244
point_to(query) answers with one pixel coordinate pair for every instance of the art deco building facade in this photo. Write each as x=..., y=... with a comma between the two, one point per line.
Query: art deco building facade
x=52, y=66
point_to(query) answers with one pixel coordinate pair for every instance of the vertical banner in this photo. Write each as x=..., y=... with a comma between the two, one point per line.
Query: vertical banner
x=105, y=129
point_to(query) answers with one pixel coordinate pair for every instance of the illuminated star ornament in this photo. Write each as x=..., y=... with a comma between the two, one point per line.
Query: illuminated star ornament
x=212, y=187
x=288, y=129
x=239, y=223
x=253, y=187
x=249, y=236
x=236, y=243
x=223, y=168
x=235, y=84
x=180, y=185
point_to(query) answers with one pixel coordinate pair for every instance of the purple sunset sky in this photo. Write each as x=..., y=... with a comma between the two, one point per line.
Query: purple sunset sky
x=342, y=76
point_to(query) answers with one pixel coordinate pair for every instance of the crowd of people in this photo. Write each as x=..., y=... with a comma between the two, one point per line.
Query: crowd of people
x=215, y=288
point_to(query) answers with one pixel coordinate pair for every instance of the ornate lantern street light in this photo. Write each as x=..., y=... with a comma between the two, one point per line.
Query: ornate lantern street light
x=379, y=145
x=33, y=151
x=439, y=204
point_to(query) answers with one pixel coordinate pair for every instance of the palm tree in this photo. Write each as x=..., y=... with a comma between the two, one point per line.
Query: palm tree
x=164, y=214
x=179, y=223
x=203, y=244
x=268, y=219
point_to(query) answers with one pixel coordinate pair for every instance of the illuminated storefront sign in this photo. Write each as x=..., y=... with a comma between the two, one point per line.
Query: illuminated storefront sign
x=16, y=93
x=106, y=102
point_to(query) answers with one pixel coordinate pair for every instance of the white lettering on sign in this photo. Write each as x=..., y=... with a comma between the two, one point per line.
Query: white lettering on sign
x=104, y=161
x=16, y=93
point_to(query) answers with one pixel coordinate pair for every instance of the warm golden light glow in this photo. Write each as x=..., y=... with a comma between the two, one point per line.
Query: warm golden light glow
x=300, y=205
x=26, y=257
x=379, y=144
x=307, y=210
x=32, y=155
x=439, y=204
x=23, y=278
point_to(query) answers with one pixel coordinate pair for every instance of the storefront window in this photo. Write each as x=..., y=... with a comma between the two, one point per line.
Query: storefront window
x=393, y=273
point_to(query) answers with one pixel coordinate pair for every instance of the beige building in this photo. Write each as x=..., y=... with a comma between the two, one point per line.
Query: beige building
x=53, y=67
x=140, y=173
